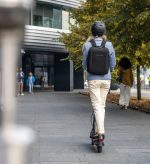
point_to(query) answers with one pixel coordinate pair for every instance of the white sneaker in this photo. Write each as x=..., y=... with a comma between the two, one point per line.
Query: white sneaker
x=22, y=94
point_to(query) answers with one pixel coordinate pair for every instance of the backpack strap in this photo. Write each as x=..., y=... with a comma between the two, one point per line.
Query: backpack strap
x=103, y=43
x=93, y=43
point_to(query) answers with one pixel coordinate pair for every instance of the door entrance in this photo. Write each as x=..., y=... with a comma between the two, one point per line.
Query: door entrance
x=41, y=64
x=41, y=75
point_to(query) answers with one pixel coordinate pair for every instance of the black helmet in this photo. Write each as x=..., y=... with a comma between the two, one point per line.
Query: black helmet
x=98, y=28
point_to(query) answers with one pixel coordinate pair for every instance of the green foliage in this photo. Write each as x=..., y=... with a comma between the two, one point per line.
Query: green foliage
x=130, y=28
x=127, y=27
x=84, y=16
x=143, y=54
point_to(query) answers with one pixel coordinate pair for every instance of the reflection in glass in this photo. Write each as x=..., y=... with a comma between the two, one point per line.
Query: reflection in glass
x=49, y=16
x=37, y=16
x=57, y=19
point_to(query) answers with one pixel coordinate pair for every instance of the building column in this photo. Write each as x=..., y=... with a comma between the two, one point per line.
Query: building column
x=79, y=79
x=63, y=74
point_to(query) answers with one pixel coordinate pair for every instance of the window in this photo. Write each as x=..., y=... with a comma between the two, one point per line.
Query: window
x=37, y=16
x=49, y=16
x=65, y=20
x=57, y=19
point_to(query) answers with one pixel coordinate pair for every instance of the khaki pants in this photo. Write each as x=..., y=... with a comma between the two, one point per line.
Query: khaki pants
x=98, y=93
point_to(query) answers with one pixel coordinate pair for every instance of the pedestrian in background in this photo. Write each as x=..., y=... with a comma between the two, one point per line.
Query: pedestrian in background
x=17, y=82
x=20, y=78
x=30, y=82
x=125, y=77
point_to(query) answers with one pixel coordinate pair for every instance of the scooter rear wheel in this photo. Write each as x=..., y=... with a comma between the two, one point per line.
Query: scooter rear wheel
x=99, y=149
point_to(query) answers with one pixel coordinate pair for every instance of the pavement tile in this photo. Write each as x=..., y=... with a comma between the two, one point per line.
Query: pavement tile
x=62, y=124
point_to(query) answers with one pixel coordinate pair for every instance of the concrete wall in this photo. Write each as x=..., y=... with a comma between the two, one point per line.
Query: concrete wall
x=63, y=74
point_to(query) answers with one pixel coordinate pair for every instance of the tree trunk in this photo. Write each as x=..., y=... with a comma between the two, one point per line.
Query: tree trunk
x=138, y=83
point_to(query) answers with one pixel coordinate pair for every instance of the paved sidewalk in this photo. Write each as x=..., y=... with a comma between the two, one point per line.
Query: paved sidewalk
x=62, y=124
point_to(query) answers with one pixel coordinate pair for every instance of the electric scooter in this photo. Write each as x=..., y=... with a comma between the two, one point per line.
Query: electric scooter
x=96, y=139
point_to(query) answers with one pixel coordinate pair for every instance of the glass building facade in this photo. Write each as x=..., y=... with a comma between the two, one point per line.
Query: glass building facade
x=50, y=16
x=44, y=54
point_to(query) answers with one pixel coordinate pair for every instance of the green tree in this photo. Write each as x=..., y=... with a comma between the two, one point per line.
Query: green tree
x=84, y=16
x=131, y=33
x=127, y=25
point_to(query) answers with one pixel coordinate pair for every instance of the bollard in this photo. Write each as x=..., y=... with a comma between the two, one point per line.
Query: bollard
x=12, y=21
